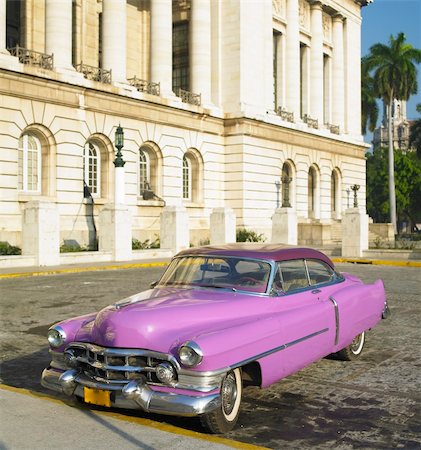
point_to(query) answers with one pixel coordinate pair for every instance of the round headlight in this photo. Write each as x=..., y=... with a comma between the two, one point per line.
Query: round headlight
x=56, y=337
x=165, y=373
x=190, y=354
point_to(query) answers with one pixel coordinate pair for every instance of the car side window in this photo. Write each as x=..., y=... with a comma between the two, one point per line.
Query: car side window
x=292, y=274
x=319, y=272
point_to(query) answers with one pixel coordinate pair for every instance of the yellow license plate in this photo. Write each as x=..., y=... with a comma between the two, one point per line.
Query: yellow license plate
x=96, y=396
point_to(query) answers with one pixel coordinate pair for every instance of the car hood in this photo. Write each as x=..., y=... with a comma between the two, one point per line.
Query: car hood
x=162, y=319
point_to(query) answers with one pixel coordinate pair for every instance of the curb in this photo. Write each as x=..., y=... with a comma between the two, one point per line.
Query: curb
x=40, y=273
x=377, y=262
x=83, y=269
x=139, y=420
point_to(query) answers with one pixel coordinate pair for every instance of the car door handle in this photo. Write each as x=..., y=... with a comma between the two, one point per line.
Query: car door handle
x=316, y=291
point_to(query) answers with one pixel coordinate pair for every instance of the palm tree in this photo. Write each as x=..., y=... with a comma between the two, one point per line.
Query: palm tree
x=395, y=77
x=369, y=108
x=415, y=134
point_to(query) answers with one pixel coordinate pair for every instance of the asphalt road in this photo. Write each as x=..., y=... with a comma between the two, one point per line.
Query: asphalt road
x=372, y=403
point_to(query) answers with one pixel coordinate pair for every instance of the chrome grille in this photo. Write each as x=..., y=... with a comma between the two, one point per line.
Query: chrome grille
x=116, y=365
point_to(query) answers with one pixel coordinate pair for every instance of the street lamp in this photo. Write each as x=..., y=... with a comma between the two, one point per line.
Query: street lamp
x=355, y=188
x=119, y=167
x=119, y=143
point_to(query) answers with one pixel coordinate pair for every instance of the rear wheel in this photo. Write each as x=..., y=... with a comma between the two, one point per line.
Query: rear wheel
x=354, y=350
x=225, y=417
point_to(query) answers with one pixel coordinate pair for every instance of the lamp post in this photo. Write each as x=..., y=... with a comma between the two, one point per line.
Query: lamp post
x=355, y=188
x=119, y=166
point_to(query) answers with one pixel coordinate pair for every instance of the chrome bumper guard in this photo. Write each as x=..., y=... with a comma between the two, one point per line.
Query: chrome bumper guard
x=132, y=395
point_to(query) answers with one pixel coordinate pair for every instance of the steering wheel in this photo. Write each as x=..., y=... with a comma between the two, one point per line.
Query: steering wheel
x=248, y=281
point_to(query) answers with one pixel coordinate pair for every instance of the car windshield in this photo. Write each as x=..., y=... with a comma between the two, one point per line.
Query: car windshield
x=218, y=272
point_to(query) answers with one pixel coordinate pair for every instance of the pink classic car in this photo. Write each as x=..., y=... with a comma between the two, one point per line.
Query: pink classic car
x=221, y=318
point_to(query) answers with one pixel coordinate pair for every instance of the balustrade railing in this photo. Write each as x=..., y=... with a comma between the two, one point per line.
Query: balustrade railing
x=312, y=123
x=190, y=97
x=32, y=58
x=285, y=115
x=94, y=73
x=145, y=86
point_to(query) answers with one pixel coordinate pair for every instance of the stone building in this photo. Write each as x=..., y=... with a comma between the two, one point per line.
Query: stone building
x=218, y=100
x=401, y=127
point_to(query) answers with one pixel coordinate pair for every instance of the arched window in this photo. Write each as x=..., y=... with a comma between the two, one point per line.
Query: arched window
x=144, y=172
x=29, y=164
x=313, y=188
x=335, y=194
x=149, y=171
x=187, y=178
x=92, y=168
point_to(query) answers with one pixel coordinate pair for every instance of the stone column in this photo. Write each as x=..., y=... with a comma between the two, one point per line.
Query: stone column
x=174, y=233
x=58, y=33
x=6, y=60
x=292, y=58
x=115, y=231
x=161, y=45
x=316, y=63
x=3, y=27
x=41, y=233
x=284, y=226
x=354, y=233
x=338, y=91
x=200, y=49
x=222, y=226
x=114, y=29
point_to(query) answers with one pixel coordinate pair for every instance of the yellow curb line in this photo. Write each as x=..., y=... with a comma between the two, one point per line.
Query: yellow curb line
x=140, y=421
x=378, y=262
x=82, y=269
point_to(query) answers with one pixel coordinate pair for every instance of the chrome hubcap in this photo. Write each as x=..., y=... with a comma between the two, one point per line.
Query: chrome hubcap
x=229, y=393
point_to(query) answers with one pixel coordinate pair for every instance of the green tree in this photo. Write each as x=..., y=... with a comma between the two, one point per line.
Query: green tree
x=369, y=108
x=395, y=77
x=415, y=134
x=408, y=186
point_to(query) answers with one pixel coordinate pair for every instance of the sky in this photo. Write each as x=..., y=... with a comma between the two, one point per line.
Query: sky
x=385, y=17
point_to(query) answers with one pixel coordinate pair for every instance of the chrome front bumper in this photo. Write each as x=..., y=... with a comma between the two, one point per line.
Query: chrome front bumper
x=133, y=395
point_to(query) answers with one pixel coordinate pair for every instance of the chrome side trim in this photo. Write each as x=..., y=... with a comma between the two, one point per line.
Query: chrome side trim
x=278, y=349
x=335, y=305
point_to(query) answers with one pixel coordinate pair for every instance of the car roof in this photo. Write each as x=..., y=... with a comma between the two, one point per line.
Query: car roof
x=271, y=252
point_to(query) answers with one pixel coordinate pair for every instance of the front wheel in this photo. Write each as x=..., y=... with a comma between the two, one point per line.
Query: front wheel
x=354, y=350
x=225, y=417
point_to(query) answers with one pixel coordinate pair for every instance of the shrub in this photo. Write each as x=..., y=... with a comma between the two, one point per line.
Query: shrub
x=139, y=245
x=7, y=249
x=244, y=235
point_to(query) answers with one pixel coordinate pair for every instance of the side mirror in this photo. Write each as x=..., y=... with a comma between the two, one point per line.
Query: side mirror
x=154, y=284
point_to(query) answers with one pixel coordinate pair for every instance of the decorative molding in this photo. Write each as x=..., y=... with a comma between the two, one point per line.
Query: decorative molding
x=304, y=12
x=327, y=27
x=279, y=8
